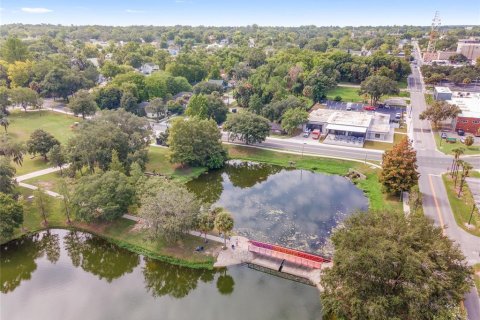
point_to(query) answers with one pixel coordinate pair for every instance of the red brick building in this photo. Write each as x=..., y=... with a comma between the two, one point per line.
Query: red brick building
x=469, y=119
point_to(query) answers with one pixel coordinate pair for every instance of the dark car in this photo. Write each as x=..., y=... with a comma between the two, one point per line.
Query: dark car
x=444, y=135
x=460, y=132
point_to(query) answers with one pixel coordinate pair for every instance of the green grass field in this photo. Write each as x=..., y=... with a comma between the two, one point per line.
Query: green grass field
x=378, y=145
x=462, y=207
x=350, y=94
x=476, y=276
x=371, y=186
x=447, y=147
x=23, y=124
x=49, y=181
x=158, y=162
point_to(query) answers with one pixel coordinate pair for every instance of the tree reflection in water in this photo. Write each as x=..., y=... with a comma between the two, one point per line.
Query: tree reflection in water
x=99, y=257
x=162, y=279
x=225, y=283
x=17, y=258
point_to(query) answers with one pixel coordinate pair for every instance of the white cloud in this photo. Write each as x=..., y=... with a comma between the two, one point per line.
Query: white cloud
x=36, y=10
x=134, y=11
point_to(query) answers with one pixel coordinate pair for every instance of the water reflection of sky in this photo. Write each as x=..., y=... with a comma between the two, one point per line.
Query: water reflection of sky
x=297, y=208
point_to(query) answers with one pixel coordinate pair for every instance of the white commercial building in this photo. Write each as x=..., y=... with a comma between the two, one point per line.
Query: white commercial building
x=470, y=48
x=351, y=127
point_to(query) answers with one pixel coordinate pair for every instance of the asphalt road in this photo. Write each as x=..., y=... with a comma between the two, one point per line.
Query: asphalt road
x=435, y=201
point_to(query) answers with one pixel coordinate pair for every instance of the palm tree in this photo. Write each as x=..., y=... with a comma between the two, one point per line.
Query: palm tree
x=460, y=163
x=457, y=152
x=466, y=167
x=4, y=120
x=224, y=224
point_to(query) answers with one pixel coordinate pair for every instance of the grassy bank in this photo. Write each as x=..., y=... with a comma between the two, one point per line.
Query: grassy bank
x=22, y=124
x=447, y=147
x=462, y=207
x=379, y=145
x=371, y=186
x=122, y=232
x=158, y=162
x=476, y=276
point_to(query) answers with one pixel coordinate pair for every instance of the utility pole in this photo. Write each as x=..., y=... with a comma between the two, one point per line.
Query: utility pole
x=471, y=213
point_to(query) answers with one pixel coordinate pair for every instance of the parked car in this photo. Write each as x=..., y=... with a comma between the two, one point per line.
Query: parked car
x=349, y=107
x=381, y=105
x=369, y=108
x=316, y=134
x=306, y=133
x=462, y=140
x=460, y=132
x=444, y=135
x=398, y=115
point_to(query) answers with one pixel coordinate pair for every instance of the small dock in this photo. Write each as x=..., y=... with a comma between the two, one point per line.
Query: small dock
x=281, y=261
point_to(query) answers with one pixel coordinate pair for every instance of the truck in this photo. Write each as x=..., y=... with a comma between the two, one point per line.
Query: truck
x=316, y=134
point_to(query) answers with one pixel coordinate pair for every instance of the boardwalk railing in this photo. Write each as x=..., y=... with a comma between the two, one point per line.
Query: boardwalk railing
x=291, y=255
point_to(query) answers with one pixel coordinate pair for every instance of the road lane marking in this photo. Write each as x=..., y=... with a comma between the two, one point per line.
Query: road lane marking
x=439, y=213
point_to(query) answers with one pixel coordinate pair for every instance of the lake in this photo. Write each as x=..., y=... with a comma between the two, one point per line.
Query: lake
x=286, y=206
x=61, y=274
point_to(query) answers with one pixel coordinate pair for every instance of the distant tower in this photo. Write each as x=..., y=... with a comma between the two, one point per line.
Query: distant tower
x=436, y=22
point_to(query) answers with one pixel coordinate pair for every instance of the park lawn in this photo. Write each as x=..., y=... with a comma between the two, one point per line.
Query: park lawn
x=447, y=147
x=378, y=145
x=22, y=124
x=30, y=165
x=50, y=181
x=158, y=162
x=350, y=94
x=462, y=207
x=476, y=276
x=122, y=233
x=475, y=174
x=429, y=99
x=370, y=186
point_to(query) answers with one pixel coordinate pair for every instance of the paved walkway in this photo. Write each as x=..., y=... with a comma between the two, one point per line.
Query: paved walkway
x=32, y=187
x=39, y=173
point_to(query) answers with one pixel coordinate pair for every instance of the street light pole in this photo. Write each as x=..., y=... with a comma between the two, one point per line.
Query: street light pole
x=471, y=214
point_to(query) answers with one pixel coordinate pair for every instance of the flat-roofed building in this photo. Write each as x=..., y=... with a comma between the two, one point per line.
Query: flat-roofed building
x=469, y=119
x=442, y=93
x=351, y=127
x=470, y=48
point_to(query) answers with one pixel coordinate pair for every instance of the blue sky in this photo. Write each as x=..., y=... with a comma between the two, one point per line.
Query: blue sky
x=239, y=12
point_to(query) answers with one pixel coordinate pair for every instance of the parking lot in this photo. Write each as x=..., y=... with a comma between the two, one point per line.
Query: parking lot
x=356, y=106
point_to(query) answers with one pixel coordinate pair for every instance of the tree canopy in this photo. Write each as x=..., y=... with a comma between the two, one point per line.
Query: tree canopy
x=41, y=142
x=247, y=127
x=390, y=266
x=376, y=86
x=11, y=215
x=83, y=103
x=440, y=111
x=102, y=196
x=399, y=168
x=196, y=142
x=171, y=211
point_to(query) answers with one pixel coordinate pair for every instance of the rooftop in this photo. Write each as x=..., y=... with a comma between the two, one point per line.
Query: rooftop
x=443, y=90
x=346, y=118
x=468, y=102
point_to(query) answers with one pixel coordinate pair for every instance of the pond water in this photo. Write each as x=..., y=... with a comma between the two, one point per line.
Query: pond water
x=291, y=207
x=60, y=274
